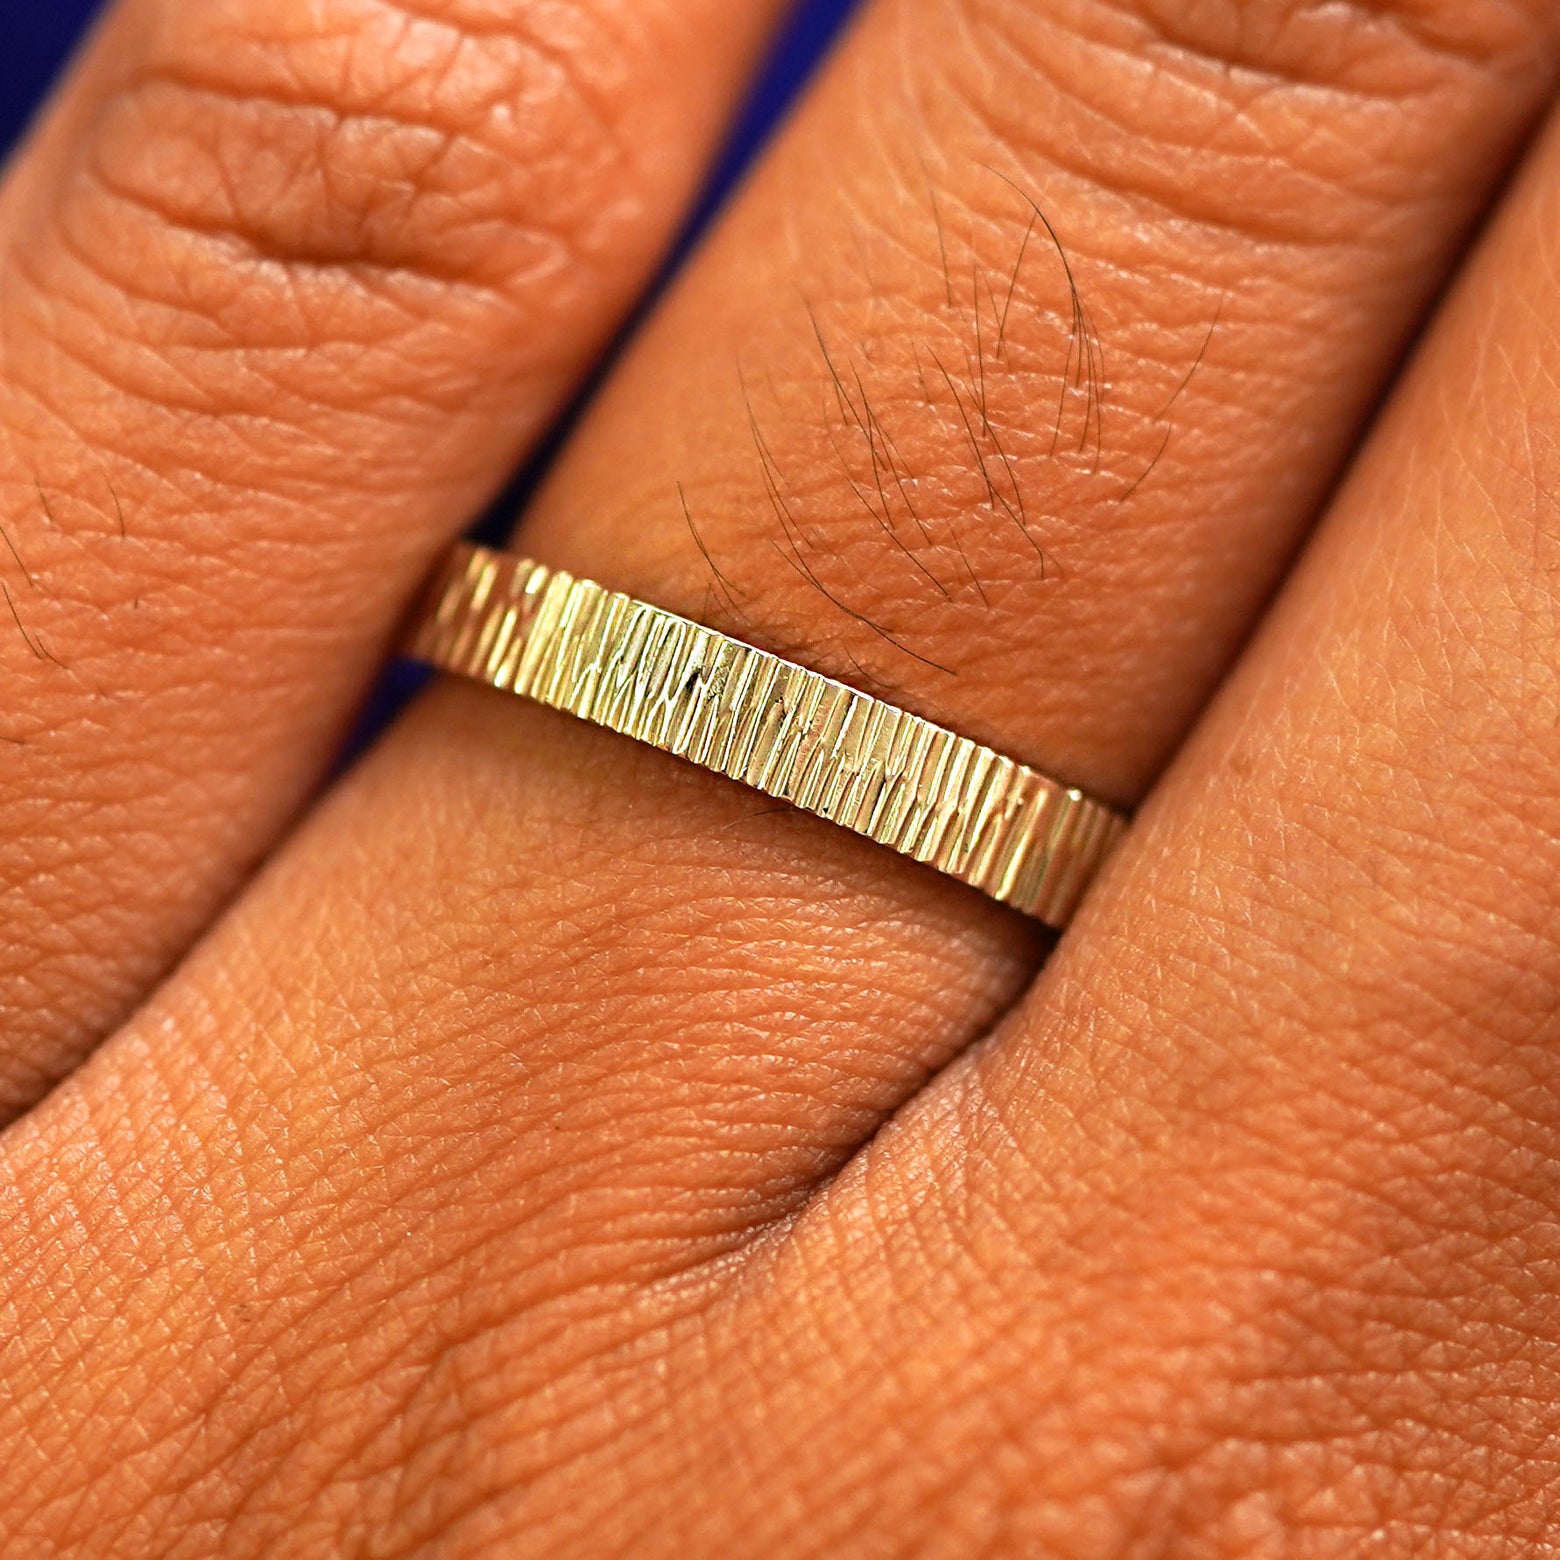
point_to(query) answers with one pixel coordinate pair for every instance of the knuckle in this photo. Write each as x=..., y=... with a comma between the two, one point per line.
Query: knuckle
x=1303, y=41
x=1289, y=119
x=350, y=220
x=376, y=142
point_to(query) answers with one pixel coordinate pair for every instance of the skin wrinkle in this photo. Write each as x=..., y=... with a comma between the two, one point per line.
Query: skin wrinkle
x=1365, y=28
x=659, y=1316
x=256, y=251
x=325, y=1292
x=94, y=442
x=209, y=47
x=1050, y=59
x=953, y=1368
x=1178, y=204
x=249, y=430
x=438, y=266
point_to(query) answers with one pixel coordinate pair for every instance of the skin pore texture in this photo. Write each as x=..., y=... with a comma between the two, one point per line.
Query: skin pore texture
x=557, y=1151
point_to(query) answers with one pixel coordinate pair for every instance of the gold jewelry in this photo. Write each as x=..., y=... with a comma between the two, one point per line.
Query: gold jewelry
x=789, y=732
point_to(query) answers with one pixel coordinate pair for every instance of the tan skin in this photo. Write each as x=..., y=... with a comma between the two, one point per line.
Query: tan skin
x=556, y=1151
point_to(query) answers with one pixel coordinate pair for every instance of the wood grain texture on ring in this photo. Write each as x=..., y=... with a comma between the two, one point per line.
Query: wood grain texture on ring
x=791, y=733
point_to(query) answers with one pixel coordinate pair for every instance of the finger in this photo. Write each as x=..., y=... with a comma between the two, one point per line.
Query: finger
x=1244, y=1231
x=476, y=1099
x=286, y=290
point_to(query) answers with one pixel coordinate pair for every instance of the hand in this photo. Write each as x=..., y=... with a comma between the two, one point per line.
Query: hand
x=558, y=1151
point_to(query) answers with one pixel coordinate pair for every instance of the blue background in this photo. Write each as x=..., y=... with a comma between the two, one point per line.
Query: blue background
x=34, y=39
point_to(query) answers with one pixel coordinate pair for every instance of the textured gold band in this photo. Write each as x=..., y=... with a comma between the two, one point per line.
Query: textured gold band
x=789, y=732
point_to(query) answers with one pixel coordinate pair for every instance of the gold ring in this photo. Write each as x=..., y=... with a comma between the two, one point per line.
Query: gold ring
x=789, y=732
